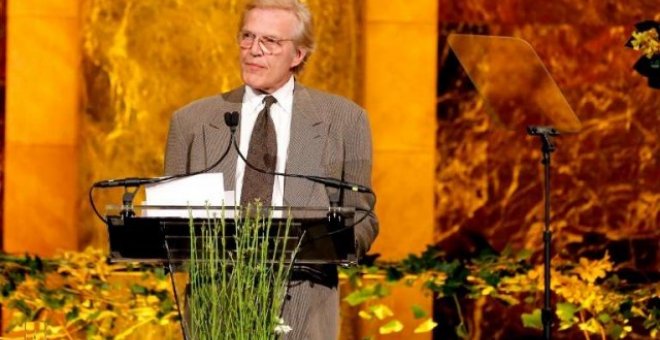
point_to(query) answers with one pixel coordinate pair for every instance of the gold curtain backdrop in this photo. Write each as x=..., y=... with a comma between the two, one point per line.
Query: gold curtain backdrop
x=605, y=194
x=144, y=59
x=489, y=181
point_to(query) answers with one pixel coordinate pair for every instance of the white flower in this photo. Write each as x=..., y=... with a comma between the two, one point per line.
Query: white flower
x=281, y=328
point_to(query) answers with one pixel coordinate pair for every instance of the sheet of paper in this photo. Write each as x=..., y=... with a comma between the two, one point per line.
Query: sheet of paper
x=198, y=190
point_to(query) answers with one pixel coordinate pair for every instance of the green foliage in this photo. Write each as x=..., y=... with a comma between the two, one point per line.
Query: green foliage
x=566, y=314
x=462, y=331
x=69, y=296
x=456, y=279
x=418, y=312
x=652, y=322
x=590, y=297
x=393, y=326
x=370, y=292
x=533, y=319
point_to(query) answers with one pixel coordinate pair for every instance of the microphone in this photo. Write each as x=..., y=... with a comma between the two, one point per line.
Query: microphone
x=231, y=119
x=129, y=182
x=335, y=183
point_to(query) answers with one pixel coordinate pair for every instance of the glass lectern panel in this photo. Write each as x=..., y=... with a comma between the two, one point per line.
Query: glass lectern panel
x=517, y=88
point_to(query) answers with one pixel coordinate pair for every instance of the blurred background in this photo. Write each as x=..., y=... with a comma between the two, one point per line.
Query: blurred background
x=88, y=87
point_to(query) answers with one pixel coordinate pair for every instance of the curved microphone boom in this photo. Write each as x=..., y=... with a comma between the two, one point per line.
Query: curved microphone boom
x=329, y=181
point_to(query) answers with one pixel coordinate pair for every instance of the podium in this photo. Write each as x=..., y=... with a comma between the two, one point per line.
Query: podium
x=159, y=240
x=257, y=265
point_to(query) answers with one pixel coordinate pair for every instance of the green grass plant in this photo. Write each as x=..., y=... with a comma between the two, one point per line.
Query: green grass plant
x=238, y=277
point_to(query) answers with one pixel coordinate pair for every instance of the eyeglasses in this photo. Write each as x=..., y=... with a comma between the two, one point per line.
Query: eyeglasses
x=268, y=44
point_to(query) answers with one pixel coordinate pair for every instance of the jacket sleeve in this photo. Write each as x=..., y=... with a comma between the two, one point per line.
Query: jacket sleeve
x=177, y=149
x=357, y=169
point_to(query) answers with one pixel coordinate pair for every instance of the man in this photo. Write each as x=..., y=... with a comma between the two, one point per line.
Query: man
x=314, y=134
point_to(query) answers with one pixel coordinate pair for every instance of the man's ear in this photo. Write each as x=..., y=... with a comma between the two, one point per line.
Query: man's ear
x=299, y=57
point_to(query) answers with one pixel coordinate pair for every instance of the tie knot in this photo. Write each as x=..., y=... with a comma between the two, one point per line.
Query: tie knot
x=268, y=101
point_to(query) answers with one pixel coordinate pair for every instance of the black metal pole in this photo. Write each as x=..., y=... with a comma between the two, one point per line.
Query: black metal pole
x=545, y=134
x=547, y=245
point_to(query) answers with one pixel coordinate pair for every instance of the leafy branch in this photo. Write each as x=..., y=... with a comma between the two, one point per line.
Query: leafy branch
x=72, y=296
x=589, y=295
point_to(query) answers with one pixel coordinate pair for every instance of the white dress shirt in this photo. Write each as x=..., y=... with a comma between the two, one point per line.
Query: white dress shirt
x=280, y=113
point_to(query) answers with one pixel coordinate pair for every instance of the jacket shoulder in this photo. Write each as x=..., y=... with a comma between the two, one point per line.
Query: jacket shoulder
x=333, y=102
x=200, y=105
x=205, y=108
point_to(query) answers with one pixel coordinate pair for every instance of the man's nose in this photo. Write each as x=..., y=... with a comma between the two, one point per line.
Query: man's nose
x=255, y=48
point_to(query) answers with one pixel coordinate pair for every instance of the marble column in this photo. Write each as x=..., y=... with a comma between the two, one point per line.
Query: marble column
x=43, y=99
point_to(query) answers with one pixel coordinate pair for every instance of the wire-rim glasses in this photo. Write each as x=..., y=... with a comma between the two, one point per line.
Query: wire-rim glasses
x=268, y=44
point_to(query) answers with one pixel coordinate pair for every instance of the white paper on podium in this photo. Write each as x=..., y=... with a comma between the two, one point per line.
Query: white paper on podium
x=198, y=190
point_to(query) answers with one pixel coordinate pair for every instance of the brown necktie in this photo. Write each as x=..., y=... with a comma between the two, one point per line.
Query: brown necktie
x=262, y=154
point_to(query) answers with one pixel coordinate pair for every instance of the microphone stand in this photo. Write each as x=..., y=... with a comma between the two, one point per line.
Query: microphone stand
x=545, y=134
x=127, y=202
x=335, y=219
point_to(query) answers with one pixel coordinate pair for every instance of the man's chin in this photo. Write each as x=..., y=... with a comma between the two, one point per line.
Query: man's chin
x=251, y=80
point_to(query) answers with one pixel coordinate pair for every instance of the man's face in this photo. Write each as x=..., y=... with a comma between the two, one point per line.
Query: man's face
x=264, y=68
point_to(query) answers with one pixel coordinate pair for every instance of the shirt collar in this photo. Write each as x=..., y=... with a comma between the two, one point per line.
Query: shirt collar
x=284, y=96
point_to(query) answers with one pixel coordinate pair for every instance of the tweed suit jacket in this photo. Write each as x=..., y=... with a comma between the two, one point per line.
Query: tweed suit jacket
x=329, y=136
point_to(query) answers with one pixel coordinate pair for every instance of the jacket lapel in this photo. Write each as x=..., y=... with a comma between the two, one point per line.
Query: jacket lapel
x=217, y=137
x=308, y=136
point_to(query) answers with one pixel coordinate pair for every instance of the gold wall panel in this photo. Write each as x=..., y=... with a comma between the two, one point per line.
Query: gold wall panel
x=40, y=200
x=400, y=96
x=144, y=59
